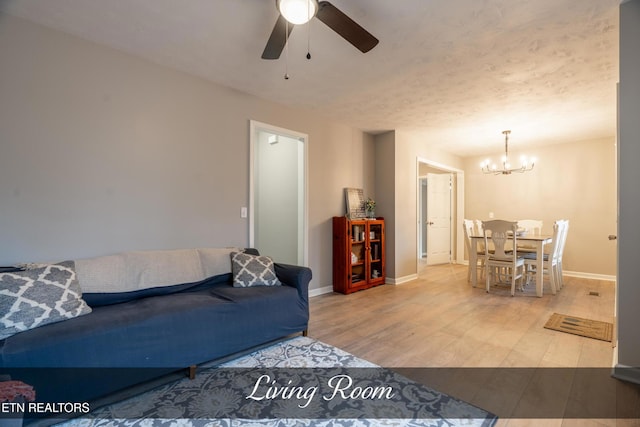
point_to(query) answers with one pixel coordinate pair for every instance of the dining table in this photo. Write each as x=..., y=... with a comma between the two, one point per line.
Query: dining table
x=539, y=241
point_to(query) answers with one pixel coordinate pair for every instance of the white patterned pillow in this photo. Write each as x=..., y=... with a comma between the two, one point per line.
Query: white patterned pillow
x=37, y=296
x=252, y=270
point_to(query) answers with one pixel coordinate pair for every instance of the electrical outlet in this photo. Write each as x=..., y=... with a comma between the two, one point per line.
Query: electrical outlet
x=490, y=215
x=243, y=212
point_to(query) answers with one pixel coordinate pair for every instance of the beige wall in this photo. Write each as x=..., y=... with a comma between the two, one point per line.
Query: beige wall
x=575, y=181
x=397, y=155
x=103, y=152
x=386, y=193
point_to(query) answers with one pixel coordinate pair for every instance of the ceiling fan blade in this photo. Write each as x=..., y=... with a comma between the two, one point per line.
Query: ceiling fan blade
x=346, y=27
x=277, y=40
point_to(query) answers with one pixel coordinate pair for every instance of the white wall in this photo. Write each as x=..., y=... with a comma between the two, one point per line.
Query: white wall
x=628, y=297
x=102, y=152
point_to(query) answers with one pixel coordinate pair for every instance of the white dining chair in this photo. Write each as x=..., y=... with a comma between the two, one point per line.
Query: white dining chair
x=563, y=241
x=469, y=228
x=502, y=264
x=478, y=223
x=551, y=259
x=529, y=226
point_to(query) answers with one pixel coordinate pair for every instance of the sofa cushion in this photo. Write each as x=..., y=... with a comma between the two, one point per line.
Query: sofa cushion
x=38, y=296
x=252, y=270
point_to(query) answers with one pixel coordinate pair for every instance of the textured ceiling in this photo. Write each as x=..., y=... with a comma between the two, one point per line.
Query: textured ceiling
x=456, y=71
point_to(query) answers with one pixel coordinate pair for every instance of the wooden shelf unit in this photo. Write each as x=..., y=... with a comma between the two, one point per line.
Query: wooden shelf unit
x=358, y=254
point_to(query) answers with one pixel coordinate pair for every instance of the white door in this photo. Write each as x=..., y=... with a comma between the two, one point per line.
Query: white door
x=438, y=218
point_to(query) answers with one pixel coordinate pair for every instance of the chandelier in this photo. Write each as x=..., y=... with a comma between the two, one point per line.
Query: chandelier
x=506, y=169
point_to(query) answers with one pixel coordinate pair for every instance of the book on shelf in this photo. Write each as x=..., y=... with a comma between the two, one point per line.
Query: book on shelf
x=357, y=232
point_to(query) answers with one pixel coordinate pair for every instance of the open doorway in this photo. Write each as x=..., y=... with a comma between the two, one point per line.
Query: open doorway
x=440, y=202
x=278, y=193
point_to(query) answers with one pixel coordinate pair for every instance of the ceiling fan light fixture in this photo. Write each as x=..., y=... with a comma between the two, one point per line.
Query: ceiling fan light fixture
x=298, y=12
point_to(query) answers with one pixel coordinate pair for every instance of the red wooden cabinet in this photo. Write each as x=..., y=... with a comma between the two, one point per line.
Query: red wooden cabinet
x=358, y=254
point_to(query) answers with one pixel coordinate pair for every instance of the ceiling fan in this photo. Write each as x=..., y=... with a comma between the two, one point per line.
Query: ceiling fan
x=298, y=12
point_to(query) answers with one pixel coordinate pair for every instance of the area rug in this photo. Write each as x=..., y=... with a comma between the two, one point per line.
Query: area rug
x=297, y=382
x=578, y=326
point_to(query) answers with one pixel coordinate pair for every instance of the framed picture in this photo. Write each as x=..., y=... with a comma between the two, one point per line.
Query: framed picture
x=354, y=198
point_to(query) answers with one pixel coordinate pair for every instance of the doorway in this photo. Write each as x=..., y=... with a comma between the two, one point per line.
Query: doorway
x=440, y=202
x=278, y=193
x=437, y=218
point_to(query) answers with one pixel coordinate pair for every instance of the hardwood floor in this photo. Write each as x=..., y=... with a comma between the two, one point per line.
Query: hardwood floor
x=441, y=321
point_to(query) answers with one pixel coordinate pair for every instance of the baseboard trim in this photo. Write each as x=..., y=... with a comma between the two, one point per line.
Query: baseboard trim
x=626, y=373
x=400, y=280
x=320, y=291
x=582, y=275
x=388, y=281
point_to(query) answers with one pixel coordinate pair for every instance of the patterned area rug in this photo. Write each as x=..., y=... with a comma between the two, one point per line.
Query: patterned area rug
x=297, y=382
x=578, y=326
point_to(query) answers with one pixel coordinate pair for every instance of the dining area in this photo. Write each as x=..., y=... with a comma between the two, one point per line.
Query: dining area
x=515, y=254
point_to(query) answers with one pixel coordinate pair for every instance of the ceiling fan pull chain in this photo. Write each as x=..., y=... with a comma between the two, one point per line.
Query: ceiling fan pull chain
x=309, y=41
x=286, y=52
x=309, y=31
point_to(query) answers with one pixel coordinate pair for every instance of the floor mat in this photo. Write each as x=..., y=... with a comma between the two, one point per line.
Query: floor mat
x=578, y=326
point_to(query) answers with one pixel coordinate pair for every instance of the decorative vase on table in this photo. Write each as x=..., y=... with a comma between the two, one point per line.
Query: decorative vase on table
x=370, y=208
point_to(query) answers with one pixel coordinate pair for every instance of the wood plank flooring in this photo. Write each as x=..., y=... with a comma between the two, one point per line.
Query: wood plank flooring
x=440, y=320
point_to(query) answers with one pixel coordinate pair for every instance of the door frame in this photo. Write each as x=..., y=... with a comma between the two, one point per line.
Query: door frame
x=254, y=128
x=456, y=235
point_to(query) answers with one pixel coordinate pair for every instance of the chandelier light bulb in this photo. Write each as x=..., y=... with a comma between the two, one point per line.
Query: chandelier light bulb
x=297, y=12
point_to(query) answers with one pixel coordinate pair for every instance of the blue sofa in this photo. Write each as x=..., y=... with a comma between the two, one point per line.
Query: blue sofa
x=138, y=335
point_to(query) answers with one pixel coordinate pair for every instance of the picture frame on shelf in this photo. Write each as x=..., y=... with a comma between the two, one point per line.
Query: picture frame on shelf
x=354, y=198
